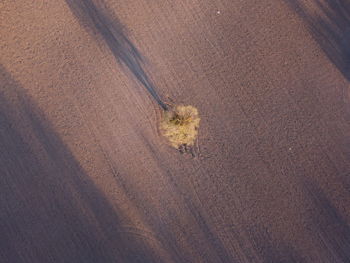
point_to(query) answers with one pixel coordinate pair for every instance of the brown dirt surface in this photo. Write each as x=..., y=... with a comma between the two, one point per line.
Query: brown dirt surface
x=86, y=176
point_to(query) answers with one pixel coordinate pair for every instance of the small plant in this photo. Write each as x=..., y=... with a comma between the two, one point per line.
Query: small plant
x=180, y=126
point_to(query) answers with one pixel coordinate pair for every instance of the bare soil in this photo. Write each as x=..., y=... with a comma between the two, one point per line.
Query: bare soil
x=85, y=175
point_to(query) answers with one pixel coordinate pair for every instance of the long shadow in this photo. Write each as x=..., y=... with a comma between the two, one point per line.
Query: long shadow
x=270, y=251
x=330, y=27
x=331, y=227
x=50, y=211
x=98, y=20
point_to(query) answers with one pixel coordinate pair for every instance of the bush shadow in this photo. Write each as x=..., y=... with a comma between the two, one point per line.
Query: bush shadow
x=99, y=21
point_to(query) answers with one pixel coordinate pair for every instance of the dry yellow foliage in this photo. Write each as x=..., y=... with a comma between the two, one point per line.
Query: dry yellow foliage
x=180, y=125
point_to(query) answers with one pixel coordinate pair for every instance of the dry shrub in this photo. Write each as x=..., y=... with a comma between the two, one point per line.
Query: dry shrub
x=180, y=125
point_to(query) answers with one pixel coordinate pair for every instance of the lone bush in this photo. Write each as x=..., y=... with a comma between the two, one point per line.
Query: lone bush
x=180, y=125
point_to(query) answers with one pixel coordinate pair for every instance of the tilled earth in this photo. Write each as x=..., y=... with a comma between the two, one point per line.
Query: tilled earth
x=85, y=175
